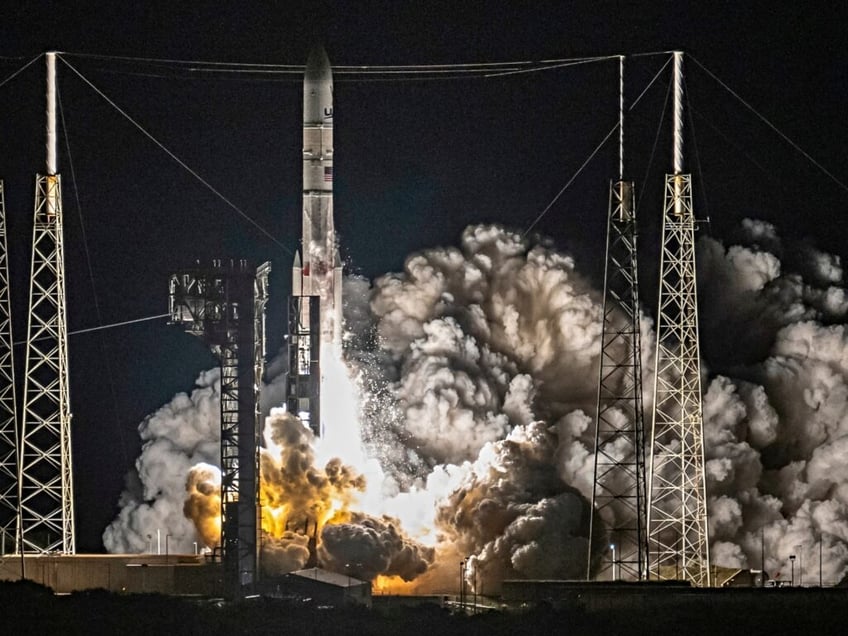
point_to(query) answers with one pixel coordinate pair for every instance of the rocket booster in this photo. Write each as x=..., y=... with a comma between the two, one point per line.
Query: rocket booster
x=318, y=270
x=315, y=313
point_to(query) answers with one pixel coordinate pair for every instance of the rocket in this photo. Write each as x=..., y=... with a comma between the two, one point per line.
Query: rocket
x=317, y=270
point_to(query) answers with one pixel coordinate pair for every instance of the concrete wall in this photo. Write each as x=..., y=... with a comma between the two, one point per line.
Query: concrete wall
x=174, y=574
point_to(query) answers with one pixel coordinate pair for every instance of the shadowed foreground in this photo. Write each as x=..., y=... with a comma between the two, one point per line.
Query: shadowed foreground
x=29, y=608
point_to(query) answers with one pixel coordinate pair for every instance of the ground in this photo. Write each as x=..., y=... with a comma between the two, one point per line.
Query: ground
x=29, y=608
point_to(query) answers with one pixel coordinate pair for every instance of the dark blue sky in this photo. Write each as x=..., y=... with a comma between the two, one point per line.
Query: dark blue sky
x=415, y=161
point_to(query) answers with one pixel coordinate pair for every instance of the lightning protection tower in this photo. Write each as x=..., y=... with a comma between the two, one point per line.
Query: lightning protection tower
x=46, y=475
x=225, y=307
x=677, y=515
x=618, y=531
x=9, y=518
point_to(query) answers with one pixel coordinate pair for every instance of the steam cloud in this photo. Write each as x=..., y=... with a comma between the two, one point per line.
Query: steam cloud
x=478, y=372
x=181, y=434
x=367, y=546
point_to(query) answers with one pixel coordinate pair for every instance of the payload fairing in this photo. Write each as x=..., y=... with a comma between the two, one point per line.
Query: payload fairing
x=315, y=313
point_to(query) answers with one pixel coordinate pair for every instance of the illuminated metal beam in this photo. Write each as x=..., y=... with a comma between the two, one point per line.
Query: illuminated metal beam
x=617, y=527
x=618, y=493
x=46, y=472
x=677, y=515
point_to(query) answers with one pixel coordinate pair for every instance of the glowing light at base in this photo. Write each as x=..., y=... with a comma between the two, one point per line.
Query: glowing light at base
x=469, y=386
x=340, y=407
x=393, y=585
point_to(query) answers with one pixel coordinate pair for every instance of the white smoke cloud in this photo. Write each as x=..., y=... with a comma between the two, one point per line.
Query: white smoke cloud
x=181, y=434
x=774, y=437
x=475, y=336
x=478, y=372
x=491, y=356
x=514, y=513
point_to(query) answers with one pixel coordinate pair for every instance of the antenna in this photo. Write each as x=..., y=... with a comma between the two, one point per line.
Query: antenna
x=617, y=526
x=677, y=513
x=51, y=114
x=677, y=160
x=46, y=475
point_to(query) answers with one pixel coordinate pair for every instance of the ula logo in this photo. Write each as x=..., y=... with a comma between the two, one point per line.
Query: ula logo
x=328, y=111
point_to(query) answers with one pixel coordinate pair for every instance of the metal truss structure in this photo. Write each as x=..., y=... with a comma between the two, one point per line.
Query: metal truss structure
x=677, y=517
x=9, y=518
x=618, y=493
x=225, y=307
x=46, y=475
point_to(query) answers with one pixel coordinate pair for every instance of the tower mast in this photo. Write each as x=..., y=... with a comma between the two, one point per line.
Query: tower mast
x=46, y=476
x=677, y=515
x=618, y=493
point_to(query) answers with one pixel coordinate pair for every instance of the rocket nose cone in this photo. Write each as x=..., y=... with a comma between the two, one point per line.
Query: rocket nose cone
x=317, y=65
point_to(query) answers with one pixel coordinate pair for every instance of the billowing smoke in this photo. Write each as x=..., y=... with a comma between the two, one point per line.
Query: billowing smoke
x=776, y=419
x=203, y=502
x=474, y=341
x=181, y=434
x=489, y=354
x=513, y=511
x=496, y=334
x=291, y=481
x=366, y=547
x=477, y=368
x=307, y=511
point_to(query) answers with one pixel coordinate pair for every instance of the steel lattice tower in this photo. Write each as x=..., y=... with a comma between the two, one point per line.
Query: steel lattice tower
x=9, y=518
x=46, y=475
x=225, y=307
x=618, y=493
x=677, y=516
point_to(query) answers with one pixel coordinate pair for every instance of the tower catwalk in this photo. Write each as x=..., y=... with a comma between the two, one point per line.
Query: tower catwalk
x=46, y=475
x=619, y=502
x=225, y=306
x=677, y=515
x=317, y=270
x=9, y=519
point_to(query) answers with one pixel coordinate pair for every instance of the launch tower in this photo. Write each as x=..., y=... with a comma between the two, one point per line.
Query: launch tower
x=619, y=502
x=225, y=307
x=677, y=515
x=46, y=475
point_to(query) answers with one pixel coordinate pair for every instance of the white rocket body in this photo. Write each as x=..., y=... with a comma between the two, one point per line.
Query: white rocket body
x=317, y=269
x=320, y=269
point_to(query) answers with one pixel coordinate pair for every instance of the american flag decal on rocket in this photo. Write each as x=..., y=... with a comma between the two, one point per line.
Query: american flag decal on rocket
x=328, y=174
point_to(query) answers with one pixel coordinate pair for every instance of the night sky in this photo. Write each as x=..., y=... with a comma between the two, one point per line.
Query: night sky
x=416, y=161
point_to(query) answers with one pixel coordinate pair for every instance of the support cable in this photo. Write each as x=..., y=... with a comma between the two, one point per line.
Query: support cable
x=299, y=68
x=592, y=155
x=389, y=72
x=118, y=324
x=97, y=312
x=109, y=326
x=654, y=147
x=179, y=161
x=703, y=182
x=771, y=125
x=22, y=69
